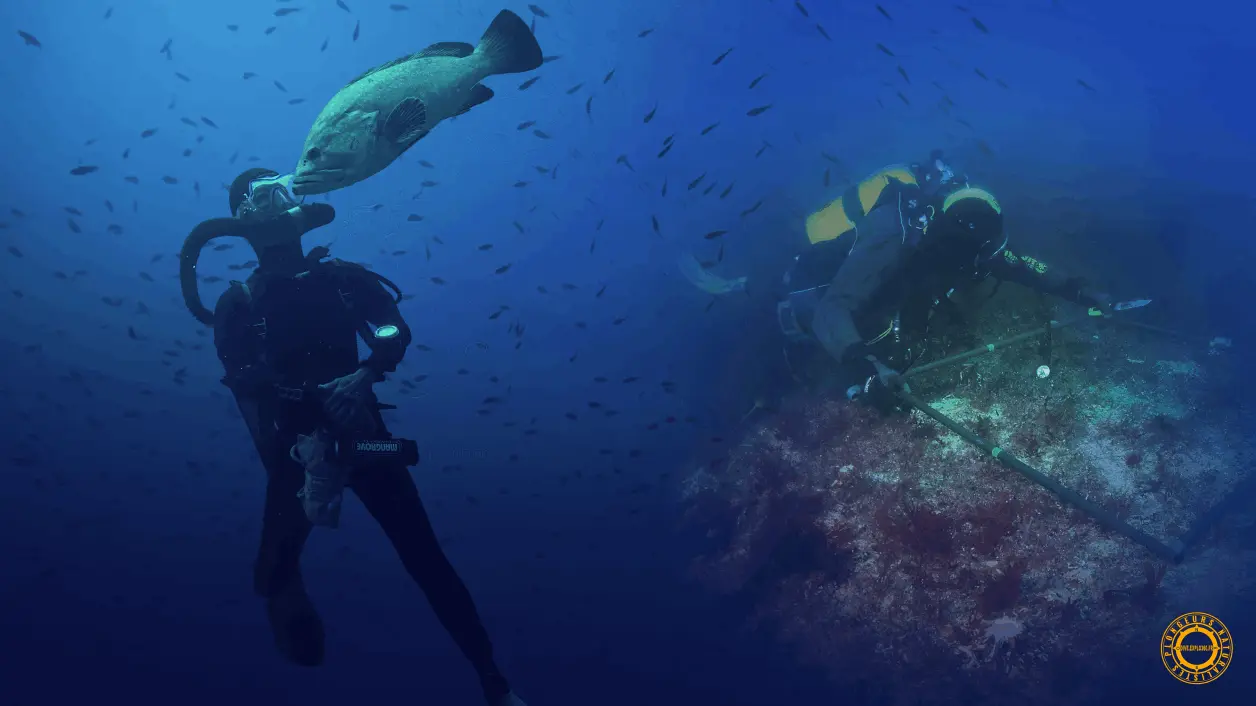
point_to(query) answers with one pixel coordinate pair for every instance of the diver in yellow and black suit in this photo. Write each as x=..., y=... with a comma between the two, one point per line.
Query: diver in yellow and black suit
x=886, y=253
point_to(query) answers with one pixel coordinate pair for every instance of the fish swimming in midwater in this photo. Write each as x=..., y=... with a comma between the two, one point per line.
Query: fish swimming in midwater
x=370, y=122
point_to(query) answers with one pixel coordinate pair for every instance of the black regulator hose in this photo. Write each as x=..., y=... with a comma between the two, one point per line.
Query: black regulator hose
x=291, y=224
x=191, y=254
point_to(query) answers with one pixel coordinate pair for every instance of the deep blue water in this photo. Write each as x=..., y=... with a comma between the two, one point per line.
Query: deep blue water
x=127, y=570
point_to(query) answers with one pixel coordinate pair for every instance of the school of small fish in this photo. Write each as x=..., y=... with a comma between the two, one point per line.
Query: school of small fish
x=588, y=94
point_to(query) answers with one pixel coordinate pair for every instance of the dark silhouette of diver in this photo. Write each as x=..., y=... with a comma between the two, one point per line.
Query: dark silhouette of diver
x=287, y=339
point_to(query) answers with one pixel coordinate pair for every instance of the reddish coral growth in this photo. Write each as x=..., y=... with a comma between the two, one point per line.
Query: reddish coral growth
x=1001, y=593
x=793, y=420
x=809, y=423
x=889, y=555
x=992, y=523
x=915, y=528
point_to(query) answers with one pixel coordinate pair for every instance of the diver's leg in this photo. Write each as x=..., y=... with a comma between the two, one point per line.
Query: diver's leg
x=277, y=572
x=389, y=494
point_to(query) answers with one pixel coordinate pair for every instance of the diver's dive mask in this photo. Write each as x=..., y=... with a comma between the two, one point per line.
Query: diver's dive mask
x=268, y=196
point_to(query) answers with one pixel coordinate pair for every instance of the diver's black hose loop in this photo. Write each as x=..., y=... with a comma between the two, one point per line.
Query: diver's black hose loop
x=190, y=255
x=397, y=296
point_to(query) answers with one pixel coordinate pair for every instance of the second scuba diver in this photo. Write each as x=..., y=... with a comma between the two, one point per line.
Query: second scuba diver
x=288, y=341
x=884, y=257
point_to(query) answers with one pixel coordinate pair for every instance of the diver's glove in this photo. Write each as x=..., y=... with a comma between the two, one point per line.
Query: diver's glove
x=1100, y=303
x=879, y=388
x=350, y=400
x=886, y=377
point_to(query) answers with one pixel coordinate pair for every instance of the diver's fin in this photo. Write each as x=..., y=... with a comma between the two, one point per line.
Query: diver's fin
x=406, y=123
x=458, y=49
x=479, y=94
x=508, y=46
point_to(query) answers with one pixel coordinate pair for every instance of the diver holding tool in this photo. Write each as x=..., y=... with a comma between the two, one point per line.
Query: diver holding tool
x=288, y=342
x=887, y=256
x=336, y=448
x=883, y=259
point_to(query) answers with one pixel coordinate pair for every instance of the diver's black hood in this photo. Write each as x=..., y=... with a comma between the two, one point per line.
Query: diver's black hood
x=239, y=190
x=973, y=229
x=287, y=226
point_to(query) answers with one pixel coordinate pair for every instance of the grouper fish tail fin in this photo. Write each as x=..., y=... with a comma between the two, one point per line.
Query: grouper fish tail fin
x=508, y=46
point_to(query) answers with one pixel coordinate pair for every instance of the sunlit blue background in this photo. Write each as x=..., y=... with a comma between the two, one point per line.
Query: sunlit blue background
x=126, y=572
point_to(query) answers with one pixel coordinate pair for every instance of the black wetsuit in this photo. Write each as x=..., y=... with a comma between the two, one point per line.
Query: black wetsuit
x=282, y=334
x=888, y=285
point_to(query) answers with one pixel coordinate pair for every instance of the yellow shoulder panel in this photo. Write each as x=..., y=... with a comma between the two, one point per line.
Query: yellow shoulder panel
x=828, y=223
x=833, y=221
x=870, y=189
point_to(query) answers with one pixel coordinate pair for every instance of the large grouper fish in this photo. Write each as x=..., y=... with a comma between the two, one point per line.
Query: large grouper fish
x=383, y=112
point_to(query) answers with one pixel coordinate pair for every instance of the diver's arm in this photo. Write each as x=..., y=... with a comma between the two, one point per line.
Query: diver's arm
x=1036, y=275
x=834, y=327
x=855, y=276
x=380, y=309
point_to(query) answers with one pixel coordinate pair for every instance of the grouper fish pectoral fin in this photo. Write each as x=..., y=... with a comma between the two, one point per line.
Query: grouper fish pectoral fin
x=457, y=49
x=407, y=145
x=406, y=123
x=479, y=94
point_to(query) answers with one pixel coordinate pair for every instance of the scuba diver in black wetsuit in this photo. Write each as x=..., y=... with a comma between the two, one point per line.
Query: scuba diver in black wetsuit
x=886, y=255
x=287, y=338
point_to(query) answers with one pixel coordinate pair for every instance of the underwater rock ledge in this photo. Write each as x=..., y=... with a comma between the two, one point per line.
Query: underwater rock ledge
x=888, y=548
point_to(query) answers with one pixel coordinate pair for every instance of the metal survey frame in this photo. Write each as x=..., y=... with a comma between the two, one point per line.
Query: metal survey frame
x=1172, y=550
